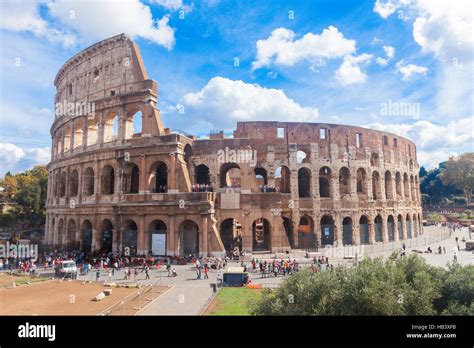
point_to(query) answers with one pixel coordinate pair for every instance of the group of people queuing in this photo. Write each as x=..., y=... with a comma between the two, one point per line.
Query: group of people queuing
x=267, y=188
x=201, y=188
x=273, y=268
x=161, y=189
x=204, y=264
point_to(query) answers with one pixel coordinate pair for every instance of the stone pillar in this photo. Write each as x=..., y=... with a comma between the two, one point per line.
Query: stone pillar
x=203, y=243
x=334, y=186
x=85, y=131
x=143, y=187
x=338, y=231
x=247, y=235
x=171, y=240
x=384, y=229
x=100, y=139
x=404, y=228
x=317, y=230
x=71, y=144
x=355, y=232
x=370, y=191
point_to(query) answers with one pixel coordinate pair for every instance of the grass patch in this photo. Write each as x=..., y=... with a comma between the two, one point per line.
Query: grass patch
x=233, y=301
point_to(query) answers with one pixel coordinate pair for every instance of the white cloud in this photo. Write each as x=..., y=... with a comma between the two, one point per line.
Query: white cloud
x=86, y=20
x=381, y=61
x=16, y=159
x=443, y=28
x=389, y=51
x=409, y=69
x=222, y=102
x=20, y=16
x=101, y=19
x=435, y=143
x=349, y=72
x=282, y=48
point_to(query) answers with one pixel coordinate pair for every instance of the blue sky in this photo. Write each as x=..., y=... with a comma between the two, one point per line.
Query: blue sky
x=227, y=61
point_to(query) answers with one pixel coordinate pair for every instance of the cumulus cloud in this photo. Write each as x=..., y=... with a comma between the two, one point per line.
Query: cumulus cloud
x=282, y=47
x=444, y=29
x=409, y=69
x=87, y=20
x=222, y=102
x=389, y=52
x=170, y=4
x=349, y=72
x=435, y=143
x=16, y=159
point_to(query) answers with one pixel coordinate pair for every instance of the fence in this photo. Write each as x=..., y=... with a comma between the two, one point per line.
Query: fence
x=136, y=301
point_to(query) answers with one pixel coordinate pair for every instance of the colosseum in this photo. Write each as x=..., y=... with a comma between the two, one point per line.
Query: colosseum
x=119, y=179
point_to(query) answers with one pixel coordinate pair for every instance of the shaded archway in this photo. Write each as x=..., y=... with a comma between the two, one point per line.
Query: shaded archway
x=347, y=230
x=388, y=185
x=158, y=234
x=282, y=179
x=378, y=227
x=288, y=226
x=327, y=230
x=376, y=187
x=107, y=236
x=62, y=185
x=129, y=238
x=415, y=226
x=86, y=231
x=391, y=228
x=73, y=183
x=107, y=180
x=131, y=178
x=400, y=227
x=230, y=175
x=398, y=184
x=158, y=178
x=361, y=181
x=71, y=235
x=189, y=238
x=304, y=183
x=306, y=237
x=364, y=230
x=325, y=182
x=261, y=176
x=408, y=226
x=344, y=181
x=229, y=233
x=261, y=235
x=203, y=176
x=406, y=188
x=60, y=233
x=88, y=182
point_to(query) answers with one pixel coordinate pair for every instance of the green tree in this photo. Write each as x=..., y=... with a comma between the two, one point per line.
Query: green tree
x=459, y=172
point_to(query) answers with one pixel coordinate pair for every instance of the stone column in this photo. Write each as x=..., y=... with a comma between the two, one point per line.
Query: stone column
x=334, y=186
x=203, y=242
x=355, y=232
x=100, y=139
x=338, y=233
x=384, y=229
x=85, y=131
x=404, y=228
x=143, y=187
x=172, y=246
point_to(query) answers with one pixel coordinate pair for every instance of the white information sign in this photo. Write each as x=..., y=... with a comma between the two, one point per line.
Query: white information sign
x=158, y=244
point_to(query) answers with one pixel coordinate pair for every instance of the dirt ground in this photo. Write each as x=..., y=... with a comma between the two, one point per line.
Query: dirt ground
x=69, y=298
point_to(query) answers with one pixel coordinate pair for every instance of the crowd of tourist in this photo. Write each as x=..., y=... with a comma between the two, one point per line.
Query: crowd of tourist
x=267, y=188
x=201, y=188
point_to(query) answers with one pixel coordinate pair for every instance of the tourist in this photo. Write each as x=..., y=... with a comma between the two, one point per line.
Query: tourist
x=97, y=275
x=206, y=270
x=146, y=273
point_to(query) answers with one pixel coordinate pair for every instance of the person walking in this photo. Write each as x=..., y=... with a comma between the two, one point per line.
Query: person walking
x=97, y=275
x=146, y=273
x=206, y=270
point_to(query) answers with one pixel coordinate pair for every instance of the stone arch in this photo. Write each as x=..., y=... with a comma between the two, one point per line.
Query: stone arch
x=388, y=185
x=92, y=130
x=60, y=237
x=62, y=185
x=89, y=182
x=413, y=189
x=73, y=183
x=261, y=235
x=400, y=226
x=261, y=176
x=71, y=234
x=86, y=233
x=230, y=175
x=301, y=157
x=106, y=235
x=415, y=226
x=375, y=159
x=158, y=227
x=111, y=125
x=131, y=178
x=361, y=181
x=187, y=153
x=78, y=133
x=408, y=226
x=203, y=176
x=282, y=179
x=406, y=188
x=107, y=180
x=391, y=228
x=288, y=227
x=347, y=231
x=376, y=185
x=327, y=230
x=344, y=181
x=130, y=237
x=158, y=177
x=229, y=233
x=398, y=184
x=133, y=125
x=188, y=238
x=304, y=182
x=306, y=237
x=364, y=230
x=378, y=228
x=325, y=189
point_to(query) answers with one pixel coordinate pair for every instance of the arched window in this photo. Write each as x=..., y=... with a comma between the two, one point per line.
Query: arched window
x=376, y=187
x=398, y=184
x=203, y=176
x=378, y=225
x=62, y=185
x=301, y=157
x=88, y=182
x=107, y=180
x=324, y=182
x=131, y=178
x=388, y=185
x=344, y=181
x=364, y=230
x=361, y=181
x=304, y=182
x=282, y=179
x=158, y=177
x=347, y=231
x=261, y=176
x=230, y=175
x=73, y=183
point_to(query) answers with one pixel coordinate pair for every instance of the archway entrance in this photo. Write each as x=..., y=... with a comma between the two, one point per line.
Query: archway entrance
x=288, y=226
x=306, y=237
x=400, y=227
x=129, y=238
x=230, y=232
x=364, y=230
x=391, y=228
x=157, y=237
x=347, y=231
x=408, y=224
x=86, y=236
x=378, y=228
x=327, y=230
x=189, y=238
x=261, y=235
x=107, y=234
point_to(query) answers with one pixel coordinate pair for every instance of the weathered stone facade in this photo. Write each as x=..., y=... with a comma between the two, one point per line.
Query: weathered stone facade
x=113, y=187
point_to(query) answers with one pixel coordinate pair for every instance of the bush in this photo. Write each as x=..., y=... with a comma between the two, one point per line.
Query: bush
x=397, y=286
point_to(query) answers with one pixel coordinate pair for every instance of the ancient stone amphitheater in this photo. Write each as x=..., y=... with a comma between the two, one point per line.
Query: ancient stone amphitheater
x=120, y=181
